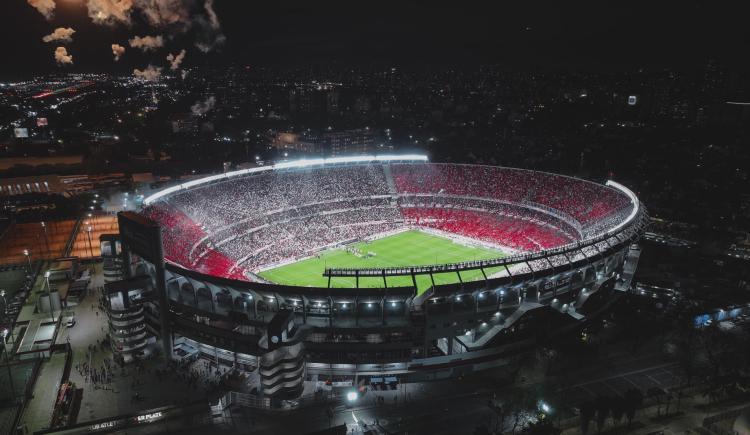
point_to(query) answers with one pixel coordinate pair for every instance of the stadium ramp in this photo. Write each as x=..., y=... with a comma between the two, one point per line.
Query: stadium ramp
x=487, y=337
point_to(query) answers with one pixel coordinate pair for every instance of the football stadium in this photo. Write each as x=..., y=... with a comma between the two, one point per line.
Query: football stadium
x=366, y=268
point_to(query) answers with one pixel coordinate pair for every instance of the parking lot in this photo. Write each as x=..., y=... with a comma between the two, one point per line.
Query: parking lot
x=666, y=376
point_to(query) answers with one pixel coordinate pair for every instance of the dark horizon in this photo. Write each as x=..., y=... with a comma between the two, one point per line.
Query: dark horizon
x=586, y=36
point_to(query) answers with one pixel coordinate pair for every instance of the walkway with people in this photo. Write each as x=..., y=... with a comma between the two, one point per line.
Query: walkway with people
x=110, y=389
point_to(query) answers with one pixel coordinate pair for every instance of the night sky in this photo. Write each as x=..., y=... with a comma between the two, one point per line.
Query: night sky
x=596, y=35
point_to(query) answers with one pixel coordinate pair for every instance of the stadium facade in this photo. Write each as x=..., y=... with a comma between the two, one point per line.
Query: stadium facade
x=202, y=245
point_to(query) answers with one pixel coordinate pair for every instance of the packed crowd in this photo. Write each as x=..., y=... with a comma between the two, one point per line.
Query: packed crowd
x=268, y=218
x=514, y=232
x=304, y=235
x=249, y=197
x=585, y=201
x=180, y=234
x=570, y=229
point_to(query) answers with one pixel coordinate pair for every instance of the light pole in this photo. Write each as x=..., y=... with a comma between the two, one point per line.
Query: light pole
x=28, y=258
x=46, y=239
x=7, y=364
x=91, y=248
x=49, y=296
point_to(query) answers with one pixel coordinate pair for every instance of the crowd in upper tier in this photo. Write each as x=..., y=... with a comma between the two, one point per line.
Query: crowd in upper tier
x=251, y=222
x=221, y=204
x=584, y=201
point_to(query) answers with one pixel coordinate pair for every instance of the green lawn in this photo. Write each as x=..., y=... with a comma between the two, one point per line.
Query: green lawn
x=410, y=248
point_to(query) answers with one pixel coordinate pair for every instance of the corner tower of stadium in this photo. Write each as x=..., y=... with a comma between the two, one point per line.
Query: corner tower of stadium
x=543, y=255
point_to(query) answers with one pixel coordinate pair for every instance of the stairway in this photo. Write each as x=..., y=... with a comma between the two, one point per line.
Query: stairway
x=389, y=179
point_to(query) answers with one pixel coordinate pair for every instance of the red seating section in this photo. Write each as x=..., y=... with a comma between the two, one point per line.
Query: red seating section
x=502, y=230
x=180, y=234
x=586, y=202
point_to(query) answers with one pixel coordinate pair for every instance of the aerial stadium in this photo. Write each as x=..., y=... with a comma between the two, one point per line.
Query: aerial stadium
x=371, y=268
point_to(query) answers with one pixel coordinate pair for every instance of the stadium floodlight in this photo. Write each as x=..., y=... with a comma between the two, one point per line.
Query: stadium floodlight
x=302, y=163
x=352, y=396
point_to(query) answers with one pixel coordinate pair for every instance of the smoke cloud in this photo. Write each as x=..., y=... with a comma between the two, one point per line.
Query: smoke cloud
x=208, y=42
x=147, y=43
x=212, y=17
x=118, y=50
x=161, y=13
x=61, y=34
x=172, y=16
x=208, y=29
x=62, y=57
x=45, y=7
x=150, y=73
x=110, y=12
x=202, y=107
x=176, y=60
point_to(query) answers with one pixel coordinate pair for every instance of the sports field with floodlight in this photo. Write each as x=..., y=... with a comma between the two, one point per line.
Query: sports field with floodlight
x=409, y=248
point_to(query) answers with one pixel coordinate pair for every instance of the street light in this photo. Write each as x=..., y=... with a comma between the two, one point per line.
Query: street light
x=544, y=407
x=46, y=238
x=352, y=396
x=91, y=248
x=28, y=258
x=49, y=291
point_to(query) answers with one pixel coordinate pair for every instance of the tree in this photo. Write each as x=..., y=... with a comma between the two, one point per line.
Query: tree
x=618, y=409
x=669, y=398
x=542, y=427
x=602, y=412
x=679, y=399
x=502, y=413
x=481, y=430
x=633, y=399
x=588, y=410
x=656, y=393
x=519, y=403
x=687, y=344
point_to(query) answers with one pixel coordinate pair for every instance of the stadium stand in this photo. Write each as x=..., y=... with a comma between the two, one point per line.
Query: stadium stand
x=256, y=221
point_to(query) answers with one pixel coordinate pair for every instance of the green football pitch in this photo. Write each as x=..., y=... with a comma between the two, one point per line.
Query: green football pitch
x=410, y=248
